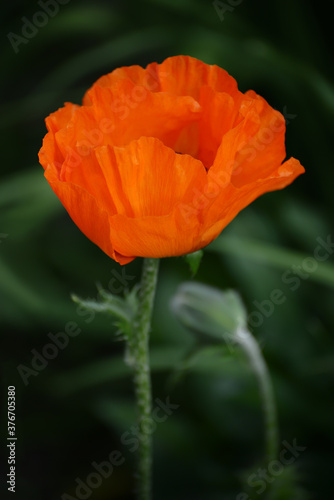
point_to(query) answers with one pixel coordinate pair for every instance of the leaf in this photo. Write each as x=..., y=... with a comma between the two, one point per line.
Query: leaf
x=117, y=307
x=123, y=309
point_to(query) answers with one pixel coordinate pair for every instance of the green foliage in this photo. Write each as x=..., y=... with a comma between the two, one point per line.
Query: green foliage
x=122, y=308
x=282, y=51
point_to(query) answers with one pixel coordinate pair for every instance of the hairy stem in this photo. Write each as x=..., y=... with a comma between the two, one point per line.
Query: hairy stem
x=142, y=377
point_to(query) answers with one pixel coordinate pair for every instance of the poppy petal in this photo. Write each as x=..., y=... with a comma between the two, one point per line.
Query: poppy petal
x=154, y=236
x=88, y=215
x=158, y=185
x=219, y=115
x=232, y=200
x=50, y=154
x=263, y=151
x=184, y=75
x=148, y=178
x=116, y=117
x=147, y=78
x=137, y=112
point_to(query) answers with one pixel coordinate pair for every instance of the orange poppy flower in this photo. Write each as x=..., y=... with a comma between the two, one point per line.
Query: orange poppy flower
x=157, y=161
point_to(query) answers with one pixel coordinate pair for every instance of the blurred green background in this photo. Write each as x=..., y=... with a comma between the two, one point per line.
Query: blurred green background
x=74, y=410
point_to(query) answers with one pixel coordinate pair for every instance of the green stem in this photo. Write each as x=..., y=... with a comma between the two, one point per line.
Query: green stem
x=253, y=352
x=142, y=378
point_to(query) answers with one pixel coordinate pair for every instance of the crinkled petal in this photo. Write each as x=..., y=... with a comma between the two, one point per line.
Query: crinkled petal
x=220, y=114
x=87, y=213
x=262, y=152
x=230, y=200
x=122, y=113
x=156, y=237
x=147, y=78
x=50, y=154
x=146, y=178
x=184, y=75
x=160, y=188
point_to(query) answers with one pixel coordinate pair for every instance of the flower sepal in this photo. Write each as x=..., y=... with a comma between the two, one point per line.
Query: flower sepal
x=194, y=259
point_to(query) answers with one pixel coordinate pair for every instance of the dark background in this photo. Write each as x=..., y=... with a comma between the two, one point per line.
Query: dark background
x=74, y=410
